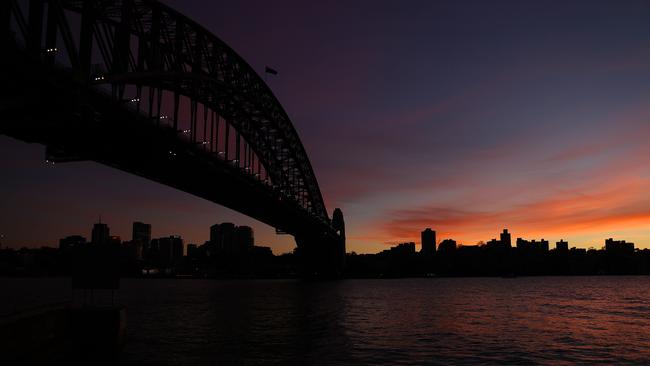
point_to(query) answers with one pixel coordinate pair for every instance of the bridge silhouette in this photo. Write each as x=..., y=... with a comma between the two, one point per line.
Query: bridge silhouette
x=136, y=85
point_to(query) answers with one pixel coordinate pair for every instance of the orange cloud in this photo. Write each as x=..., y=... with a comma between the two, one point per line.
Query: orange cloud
x=614, y=205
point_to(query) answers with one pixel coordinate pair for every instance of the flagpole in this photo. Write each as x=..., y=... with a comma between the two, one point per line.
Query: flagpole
x=268, y=70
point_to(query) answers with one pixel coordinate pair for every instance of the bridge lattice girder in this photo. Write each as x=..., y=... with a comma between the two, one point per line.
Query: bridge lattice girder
x=140, y=48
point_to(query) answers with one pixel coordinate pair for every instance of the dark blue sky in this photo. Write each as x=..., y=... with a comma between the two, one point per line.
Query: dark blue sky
x=465, y=116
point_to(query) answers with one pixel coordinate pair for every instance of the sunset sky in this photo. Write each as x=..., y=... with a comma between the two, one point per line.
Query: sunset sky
x=464, y=116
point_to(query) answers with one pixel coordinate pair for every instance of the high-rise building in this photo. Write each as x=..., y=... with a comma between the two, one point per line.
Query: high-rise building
x=141, y=233
x=562, y=246
x=222, y=236
x=151, y=252
x=543, y=245
x=619, y=246
x=215, y=237
x=506, y=240
x=100, y=234
x=428, y=242
x=227, y=237
x=192, y=251
x=532, y=246
x=141, y=238
x=177, y=247
x=165, y=251
x=244, y=239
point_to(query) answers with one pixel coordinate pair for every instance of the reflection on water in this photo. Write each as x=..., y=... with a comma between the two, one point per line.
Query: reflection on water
x=550, y=320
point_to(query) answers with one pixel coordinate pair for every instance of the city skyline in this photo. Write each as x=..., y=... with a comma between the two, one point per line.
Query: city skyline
x=231, y=251
x=525, y=115
x=432, y=237
x=329, y=182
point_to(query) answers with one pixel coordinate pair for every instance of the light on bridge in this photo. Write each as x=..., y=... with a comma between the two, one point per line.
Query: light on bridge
x=135, y=100
x=186, y=131
x=51, y=50
x=99, y=78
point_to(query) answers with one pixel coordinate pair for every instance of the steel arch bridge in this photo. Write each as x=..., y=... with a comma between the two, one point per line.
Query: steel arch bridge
x=136, y=85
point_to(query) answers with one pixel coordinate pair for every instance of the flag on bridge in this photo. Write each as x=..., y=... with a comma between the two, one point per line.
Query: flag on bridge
x=271, y=71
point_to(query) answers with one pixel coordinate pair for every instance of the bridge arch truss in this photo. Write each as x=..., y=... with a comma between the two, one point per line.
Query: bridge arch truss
x=167, y=68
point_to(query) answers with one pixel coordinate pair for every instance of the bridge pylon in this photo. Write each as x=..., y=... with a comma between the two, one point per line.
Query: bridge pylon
x=322, y=255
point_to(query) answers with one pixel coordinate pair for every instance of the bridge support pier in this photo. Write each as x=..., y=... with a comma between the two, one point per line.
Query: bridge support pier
x=323, y=256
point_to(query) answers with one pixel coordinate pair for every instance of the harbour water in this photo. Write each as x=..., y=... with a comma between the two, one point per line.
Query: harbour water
x=436, y=321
